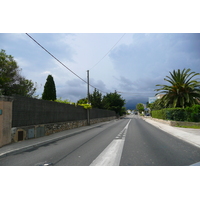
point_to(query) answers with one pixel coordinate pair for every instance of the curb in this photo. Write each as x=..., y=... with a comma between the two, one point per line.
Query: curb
x=175, y=135
x=21, y=149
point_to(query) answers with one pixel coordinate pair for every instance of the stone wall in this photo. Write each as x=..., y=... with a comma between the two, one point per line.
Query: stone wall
x=24, y=118
x=35, y=131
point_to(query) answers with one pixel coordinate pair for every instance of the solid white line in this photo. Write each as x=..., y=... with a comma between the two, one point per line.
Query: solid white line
x=111, y=155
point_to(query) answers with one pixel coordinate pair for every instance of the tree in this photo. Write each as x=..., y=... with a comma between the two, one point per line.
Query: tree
x=82, y=101
x=11, y=81
x=49, y=89
x=113, y=101
x=96, y=99
x=157, y=105
x=183, y=90
x=140, y=107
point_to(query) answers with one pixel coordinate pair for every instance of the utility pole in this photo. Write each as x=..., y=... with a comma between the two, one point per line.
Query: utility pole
x=88, y=95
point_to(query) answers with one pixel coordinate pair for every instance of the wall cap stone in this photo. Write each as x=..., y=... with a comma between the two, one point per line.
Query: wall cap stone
x=6, y=98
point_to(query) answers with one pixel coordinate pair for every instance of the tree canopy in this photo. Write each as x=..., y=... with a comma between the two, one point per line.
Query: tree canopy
x=11, y=81
x=140, y=107
x=96, y=99
x=183, y=90
x=114, y=101
x=82, y=101
x=111, y=101
x=49, y=89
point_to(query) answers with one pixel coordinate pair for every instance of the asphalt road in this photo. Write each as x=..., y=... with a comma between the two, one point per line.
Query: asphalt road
x=146, y=145
x=126, y=142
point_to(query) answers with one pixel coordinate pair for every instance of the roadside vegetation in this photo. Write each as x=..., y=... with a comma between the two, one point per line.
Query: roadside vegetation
x=183, y=91
x=49, y=89
x=181, y=100
x=194, y=127
x=11, y=80
x=13, y=83
x=111, y=101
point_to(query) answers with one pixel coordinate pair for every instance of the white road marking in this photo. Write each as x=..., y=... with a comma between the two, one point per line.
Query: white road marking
x=111, y=155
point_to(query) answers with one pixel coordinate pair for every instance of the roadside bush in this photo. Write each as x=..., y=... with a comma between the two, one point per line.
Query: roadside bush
x=159, y=114
x=86, y=106
x=190, y=114
x=193, y=113
x=176, y=114
x=66, y=101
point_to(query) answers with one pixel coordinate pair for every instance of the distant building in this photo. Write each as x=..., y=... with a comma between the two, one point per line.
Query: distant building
x=153, y=99
x=159, y=96
x=129, y=111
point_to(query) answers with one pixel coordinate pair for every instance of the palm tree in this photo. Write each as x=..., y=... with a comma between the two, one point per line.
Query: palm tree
x=183, y=91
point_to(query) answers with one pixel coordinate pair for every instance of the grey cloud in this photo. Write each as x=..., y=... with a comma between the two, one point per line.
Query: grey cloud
x=99, y=85
x=141, y=85
x=76, y=89
x=56, y=44
x=73, y=90
x=132, y=102
x=157, y=54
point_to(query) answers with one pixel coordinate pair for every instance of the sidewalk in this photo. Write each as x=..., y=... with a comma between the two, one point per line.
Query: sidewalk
x=36, y=142
x=187, y=134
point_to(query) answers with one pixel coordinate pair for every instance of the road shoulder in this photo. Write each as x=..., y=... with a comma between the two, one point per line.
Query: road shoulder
x=191, y=136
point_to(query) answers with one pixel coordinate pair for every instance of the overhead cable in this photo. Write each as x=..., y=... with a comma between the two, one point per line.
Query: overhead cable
x=107, y=52
x=55, y=58
x=61, y=62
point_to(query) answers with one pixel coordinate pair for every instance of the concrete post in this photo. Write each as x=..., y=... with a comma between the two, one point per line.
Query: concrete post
x=88, y=94
x=5, y=119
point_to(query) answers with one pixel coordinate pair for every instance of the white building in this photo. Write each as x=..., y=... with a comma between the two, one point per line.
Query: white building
x=153, y=99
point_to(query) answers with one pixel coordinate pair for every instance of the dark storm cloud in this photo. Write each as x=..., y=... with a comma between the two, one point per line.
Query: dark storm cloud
x=76, y=89
x=72, y=90
x=156, y=54
x=141, y=85
x=150, y=57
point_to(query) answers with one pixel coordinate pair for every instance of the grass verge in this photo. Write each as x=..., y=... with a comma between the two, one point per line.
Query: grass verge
x=195, y=127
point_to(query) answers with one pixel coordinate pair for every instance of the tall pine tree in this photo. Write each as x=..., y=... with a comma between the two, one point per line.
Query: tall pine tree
x=49, y=89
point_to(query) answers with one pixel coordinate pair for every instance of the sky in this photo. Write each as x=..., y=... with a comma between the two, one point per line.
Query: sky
x=127, y=46
x=130, y=63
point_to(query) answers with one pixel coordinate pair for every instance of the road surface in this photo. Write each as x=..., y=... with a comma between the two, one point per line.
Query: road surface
x=125, y=142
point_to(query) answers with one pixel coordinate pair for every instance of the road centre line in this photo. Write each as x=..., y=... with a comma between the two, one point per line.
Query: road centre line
x=111, y=155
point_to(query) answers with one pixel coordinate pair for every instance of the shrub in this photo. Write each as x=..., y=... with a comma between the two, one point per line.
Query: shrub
x=176, y=114
x=86, y=106
x=191, y=114
x=159, y=114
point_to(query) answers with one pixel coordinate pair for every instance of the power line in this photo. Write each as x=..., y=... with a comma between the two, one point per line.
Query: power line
x=55, y=58
x=135, y=92
x=74, y=72
x=61, y=62
x=107, y=52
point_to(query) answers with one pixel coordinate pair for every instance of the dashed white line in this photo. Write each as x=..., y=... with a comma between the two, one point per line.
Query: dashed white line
x=111, y=155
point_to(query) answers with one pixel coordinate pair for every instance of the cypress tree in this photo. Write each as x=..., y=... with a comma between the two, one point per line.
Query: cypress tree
x=49, y=89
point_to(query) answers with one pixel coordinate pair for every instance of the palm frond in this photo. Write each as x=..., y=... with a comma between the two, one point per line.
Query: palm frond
x=183, y=89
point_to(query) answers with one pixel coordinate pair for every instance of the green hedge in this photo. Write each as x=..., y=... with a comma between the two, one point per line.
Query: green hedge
x=159, y=114
x=191, y=114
